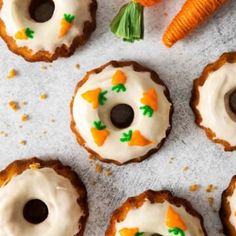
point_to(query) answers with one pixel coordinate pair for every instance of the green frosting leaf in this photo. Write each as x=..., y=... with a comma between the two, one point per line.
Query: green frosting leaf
x=99, y=125
x=128, y=23
x=119, y=88
x=102, y=98
x=147, y=111
x=176, y=231
x=139, y=234
x=29, y=33
x=126, y=137
x=69, y=18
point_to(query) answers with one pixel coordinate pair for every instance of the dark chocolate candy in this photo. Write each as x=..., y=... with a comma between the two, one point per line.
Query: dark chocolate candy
x=232, y=102
x=122, y=116
x=35, y=211
x=41, y=10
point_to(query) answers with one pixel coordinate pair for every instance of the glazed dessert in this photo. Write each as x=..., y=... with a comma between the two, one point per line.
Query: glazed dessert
x=214, y=101
x=228, y=209
x=121, y=112
x=43, y=30
x=41, y=198
x=156, y=214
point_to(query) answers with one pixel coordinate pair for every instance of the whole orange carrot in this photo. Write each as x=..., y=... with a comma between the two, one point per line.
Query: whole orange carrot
x=192, y=14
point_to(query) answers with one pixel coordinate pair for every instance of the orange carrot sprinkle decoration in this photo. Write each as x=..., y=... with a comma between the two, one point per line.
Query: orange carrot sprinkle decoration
x=192, y=14
x=149, y=100
x=135, y=138
x=66, y=24
x=118, y=81
x=92, y=97
x=99, y=133
x=128, y=231
x=96, y=97
x=174, y=220
x=24, y=34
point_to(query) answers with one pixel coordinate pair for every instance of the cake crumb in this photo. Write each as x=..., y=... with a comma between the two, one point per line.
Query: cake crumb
x=23, y=142
x=34, y=166
x=53, y=120
x=186, y=168
x=77, y=66
x=11, y=74
x=43, y=96
x=24, y=103
x=24, y=118
x=14, y=105
x=194, y=188
x=211, y=201
x=99, y=168
x=108, y=172
x=3, y=134
x=210, y=188
x=92, y=157
x=43, y=67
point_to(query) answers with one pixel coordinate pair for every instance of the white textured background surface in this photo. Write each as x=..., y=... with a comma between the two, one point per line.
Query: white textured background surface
x=187, y=144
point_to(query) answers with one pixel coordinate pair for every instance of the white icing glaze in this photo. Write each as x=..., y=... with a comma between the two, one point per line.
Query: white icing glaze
x=150, y=218
x=15, y=15
x=137, y=83
x=232, y=204
x=214, y=111
x=53, y=189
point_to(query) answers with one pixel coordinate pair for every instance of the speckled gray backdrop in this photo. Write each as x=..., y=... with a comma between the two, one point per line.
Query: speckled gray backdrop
x=187, y=145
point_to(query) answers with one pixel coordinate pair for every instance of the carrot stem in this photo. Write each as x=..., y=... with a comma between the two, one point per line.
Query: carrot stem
x=128, y=23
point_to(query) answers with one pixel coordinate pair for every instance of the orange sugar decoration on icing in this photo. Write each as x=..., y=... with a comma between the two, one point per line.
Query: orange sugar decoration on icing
x=174, y=220
x=92, y=96
x=119, y=78
x=99, y=136
x=99, y=133
x=138, y=139
x=24, y=34
x=21, y=35
x=128, y=231
x=150, y=99
x=66, y=24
